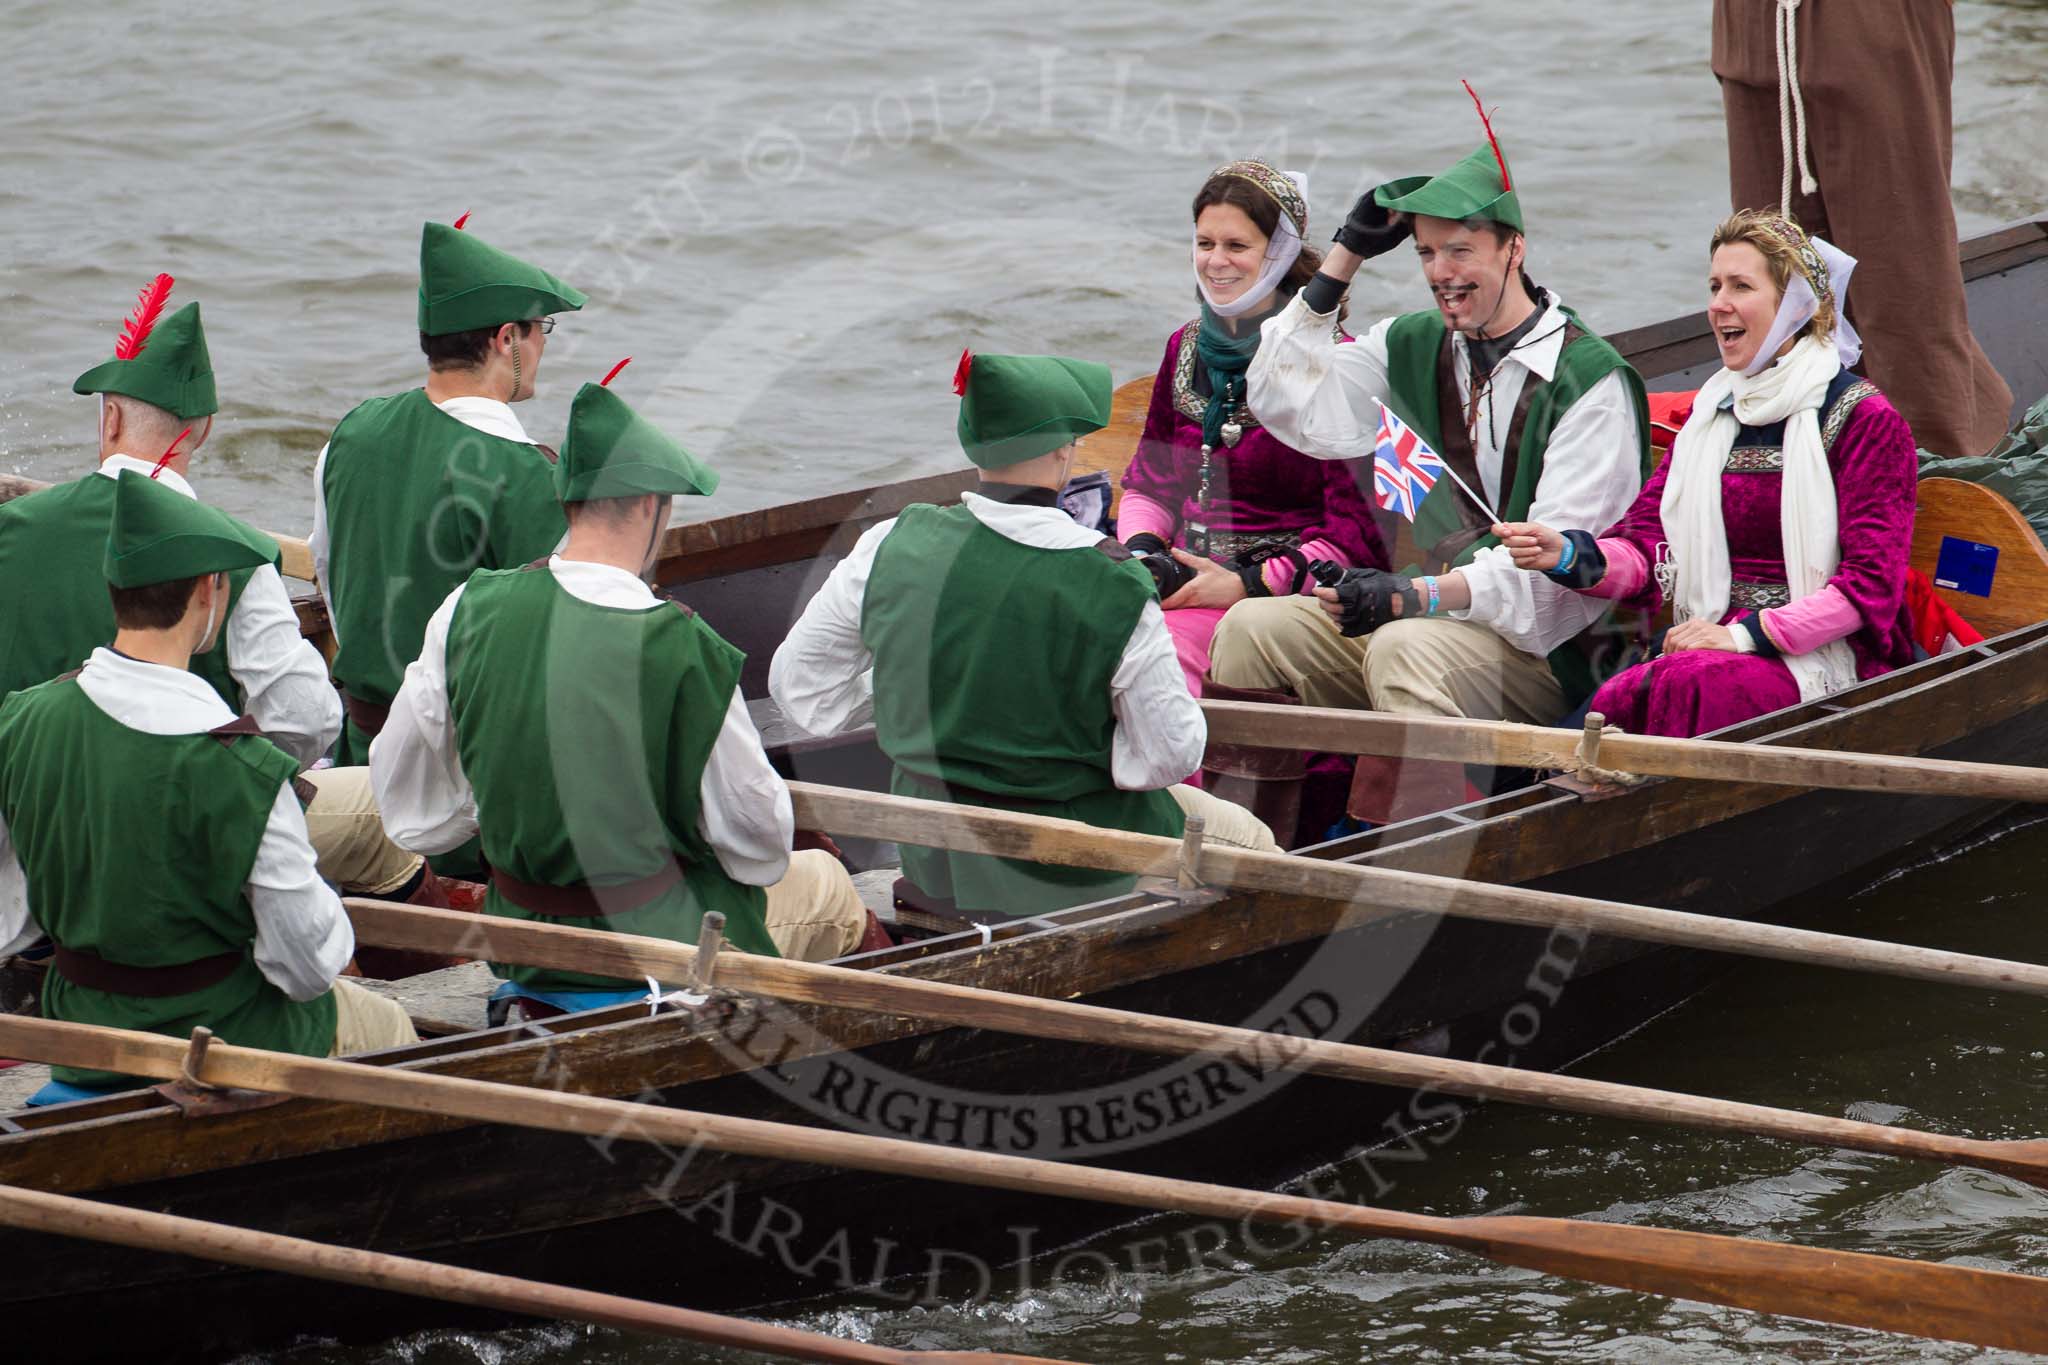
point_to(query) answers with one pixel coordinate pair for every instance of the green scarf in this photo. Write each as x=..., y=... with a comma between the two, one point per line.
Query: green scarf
x=1226, y=358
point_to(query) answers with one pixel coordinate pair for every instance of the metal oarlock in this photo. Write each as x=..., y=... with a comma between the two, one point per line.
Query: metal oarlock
x=710, y=938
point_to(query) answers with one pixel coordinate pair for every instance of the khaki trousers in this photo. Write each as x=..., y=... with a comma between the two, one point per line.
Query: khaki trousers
x=1876, y=77
x=815, y=913
x=1431, y=666
x=348, y=838
x=365, y=1021
x=1225, y=822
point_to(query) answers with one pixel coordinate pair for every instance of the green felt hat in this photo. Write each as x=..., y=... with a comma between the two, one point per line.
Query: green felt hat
x=164, y=362
x=1474, y=188
x=613, y=452
x=1017, y=407
x=160, y=535
x=466, y=284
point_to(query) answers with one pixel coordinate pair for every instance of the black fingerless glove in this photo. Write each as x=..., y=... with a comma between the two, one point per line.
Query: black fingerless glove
x=1369, y=230
x=1366, y=595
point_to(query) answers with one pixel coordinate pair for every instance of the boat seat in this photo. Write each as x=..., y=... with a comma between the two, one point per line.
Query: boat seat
x=1985, y=560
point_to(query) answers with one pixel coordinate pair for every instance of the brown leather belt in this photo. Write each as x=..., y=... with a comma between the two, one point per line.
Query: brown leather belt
x=95, y=973
x=369, y=716
x=584, y=901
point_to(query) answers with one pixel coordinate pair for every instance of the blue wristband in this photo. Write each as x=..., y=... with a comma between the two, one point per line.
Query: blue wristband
x=1564, y=560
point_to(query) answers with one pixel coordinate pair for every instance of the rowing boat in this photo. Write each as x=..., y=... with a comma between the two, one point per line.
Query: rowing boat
x=720, y=1231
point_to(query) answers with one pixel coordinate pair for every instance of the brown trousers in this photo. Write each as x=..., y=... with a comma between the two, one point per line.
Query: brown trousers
x=1876, y=76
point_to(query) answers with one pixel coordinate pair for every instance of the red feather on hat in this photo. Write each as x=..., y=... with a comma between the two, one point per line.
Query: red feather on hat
x=1491, y=141
x=165, y=458
x=960, y=374
x=606, y=382
x=463, y=219
x=149, y=304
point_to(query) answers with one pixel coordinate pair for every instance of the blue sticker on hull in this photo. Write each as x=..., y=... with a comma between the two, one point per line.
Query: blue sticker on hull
x=1966, y=566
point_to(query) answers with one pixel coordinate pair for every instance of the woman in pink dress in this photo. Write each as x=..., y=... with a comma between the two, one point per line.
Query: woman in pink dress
x=1780, y=528
x=1241, y=513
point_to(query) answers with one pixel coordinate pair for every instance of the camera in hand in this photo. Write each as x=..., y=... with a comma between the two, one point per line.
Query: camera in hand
x=1168, y=573
x=1328, y=573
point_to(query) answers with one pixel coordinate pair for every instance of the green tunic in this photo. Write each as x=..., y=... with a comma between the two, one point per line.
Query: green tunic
x=137, y=848
x=584, y=731
x=1423, y=393
x=415, y=500
x=54, y=608
x=993, y=662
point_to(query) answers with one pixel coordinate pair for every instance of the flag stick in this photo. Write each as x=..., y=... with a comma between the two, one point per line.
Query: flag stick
x=1478, y=501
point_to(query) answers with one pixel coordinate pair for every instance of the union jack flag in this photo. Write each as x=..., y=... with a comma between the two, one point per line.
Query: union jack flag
x=1404, y=468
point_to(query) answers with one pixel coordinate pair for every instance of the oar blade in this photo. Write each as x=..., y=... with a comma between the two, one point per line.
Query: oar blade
x=1888, y=1294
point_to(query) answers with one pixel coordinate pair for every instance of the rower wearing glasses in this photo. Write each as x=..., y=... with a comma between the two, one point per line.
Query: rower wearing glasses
x=416, y=490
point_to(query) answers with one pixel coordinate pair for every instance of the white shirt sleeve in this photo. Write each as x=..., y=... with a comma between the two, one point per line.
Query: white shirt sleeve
x=1160, y=730
x=1590, y=476
x=303, y=936
x=317, y=541
x=744, y=811
x=18, y=928
x=425, y=801
x=823, y=677
x=1312, y=393
x=280, y=672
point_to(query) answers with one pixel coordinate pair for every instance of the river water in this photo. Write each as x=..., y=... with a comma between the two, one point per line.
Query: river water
x=794, y=216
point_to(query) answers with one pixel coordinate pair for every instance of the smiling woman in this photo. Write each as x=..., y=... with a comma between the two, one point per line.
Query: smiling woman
x=1239, y=513
x=1780, y=527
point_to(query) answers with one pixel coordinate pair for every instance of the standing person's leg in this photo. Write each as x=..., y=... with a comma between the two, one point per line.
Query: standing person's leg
x=1745, y=60
x=1879, y=115
x=1875, y=77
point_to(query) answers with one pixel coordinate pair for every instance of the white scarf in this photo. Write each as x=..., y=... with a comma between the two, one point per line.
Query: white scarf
x=1696, y=576
x=1282, y=250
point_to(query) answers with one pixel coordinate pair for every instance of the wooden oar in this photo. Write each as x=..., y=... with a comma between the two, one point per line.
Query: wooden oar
x=1987, y=1308
x=600, y=952
x=295, y=555
x=66, y=1216
x=1374, y=891
x=1505, y=744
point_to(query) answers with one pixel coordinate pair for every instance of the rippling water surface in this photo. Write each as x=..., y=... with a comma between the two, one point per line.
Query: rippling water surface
x=794, y=216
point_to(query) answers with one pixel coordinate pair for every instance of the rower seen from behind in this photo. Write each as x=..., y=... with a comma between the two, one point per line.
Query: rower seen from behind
x=157, y=840
x=157, y=404
x=415, y=490
x=595, y=737
x=1008, y=656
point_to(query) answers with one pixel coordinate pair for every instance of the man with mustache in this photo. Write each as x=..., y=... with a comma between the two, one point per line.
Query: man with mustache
x=1523, y=401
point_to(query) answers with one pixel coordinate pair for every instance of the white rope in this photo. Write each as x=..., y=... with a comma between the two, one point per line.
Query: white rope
x=1791, y=107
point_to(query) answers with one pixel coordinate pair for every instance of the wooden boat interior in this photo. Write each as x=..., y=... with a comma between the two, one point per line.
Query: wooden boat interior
x=749, y=574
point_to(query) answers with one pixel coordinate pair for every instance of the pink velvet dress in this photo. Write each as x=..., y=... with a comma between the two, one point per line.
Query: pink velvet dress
x=1870, y=453
x=1258, y=489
